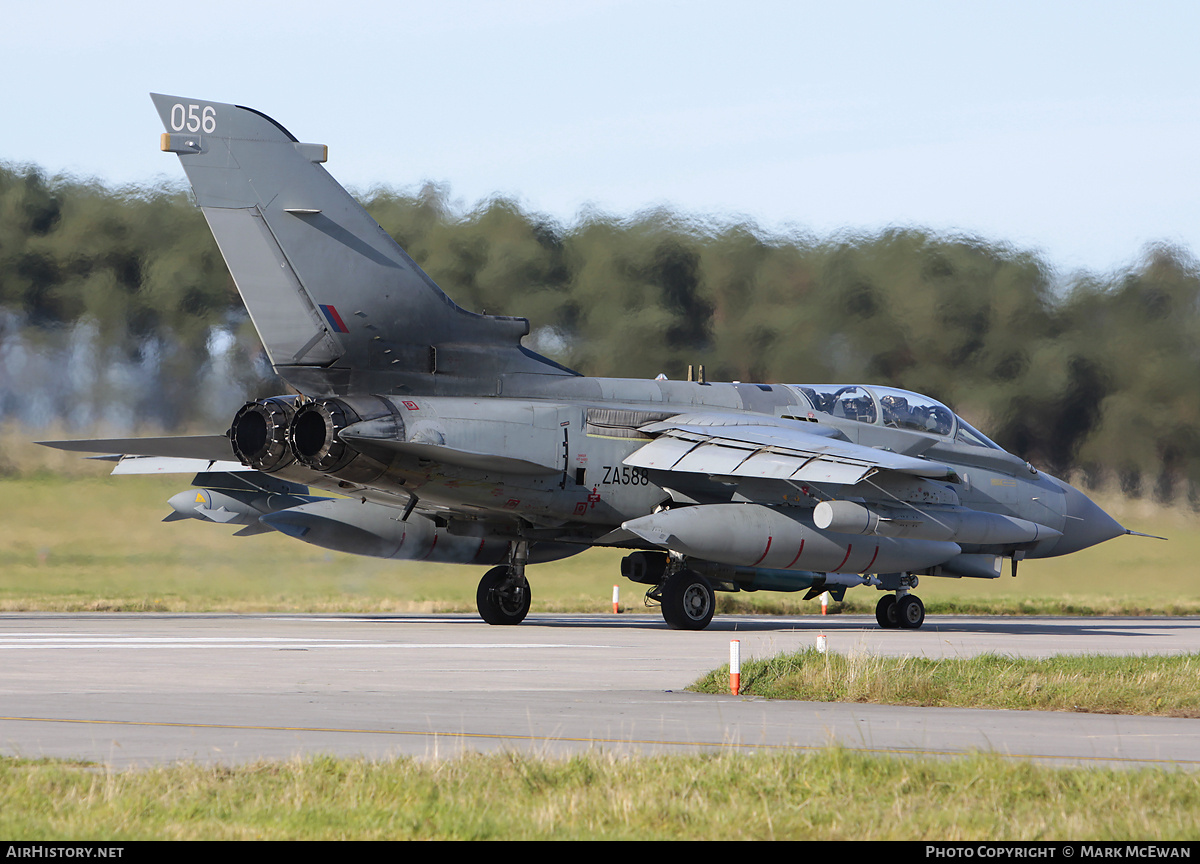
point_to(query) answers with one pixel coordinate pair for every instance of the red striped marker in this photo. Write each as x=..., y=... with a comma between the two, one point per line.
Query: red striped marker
x=735, y=667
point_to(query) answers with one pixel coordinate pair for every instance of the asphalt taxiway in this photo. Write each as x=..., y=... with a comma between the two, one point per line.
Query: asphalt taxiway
x=134, y=689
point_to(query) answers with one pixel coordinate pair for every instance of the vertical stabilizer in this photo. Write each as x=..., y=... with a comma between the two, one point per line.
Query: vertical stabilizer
x=326, y=287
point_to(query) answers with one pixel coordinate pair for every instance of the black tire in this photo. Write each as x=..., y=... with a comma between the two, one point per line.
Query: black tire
x=885, y=612
x=688, y=601
x=500, y=600
x=910, y=612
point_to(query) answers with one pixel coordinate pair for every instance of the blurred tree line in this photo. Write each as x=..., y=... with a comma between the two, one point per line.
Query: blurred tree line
x=116, y=308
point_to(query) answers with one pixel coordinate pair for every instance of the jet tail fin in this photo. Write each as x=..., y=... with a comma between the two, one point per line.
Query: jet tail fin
x=326, y=287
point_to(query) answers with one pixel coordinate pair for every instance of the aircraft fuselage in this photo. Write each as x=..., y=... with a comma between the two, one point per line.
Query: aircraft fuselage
x=568, y=476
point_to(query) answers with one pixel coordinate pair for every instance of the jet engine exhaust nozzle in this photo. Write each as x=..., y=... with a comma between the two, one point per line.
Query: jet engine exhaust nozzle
x=259, y=434
x=313, y=435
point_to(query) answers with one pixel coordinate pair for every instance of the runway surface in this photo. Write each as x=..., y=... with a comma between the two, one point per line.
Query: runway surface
x=133, y=689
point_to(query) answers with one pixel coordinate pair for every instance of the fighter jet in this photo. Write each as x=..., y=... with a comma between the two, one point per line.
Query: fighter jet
x=445, y=439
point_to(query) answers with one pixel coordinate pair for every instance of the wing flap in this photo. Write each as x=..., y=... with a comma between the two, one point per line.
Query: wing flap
x=174, y=465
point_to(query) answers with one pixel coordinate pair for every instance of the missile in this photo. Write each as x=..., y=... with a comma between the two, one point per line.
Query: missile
x=958, y=524
x=365, y=528
x=766, y=579
x=232, y=506
x=649, y=568
x=754, y=535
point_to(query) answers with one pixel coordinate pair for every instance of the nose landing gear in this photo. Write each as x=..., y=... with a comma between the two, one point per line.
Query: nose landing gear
x=503, y=593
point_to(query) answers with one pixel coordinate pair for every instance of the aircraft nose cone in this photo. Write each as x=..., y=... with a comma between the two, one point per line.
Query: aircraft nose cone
x=1086, y=524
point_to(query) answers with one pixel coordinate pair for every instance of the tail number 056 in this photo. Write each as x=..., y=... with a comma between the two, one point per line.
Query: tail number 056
x=193, y=118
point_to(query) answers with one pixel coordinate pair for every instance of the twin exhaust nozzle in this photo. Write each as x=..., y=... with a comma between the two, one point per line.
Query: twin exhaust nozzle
x=268, y=435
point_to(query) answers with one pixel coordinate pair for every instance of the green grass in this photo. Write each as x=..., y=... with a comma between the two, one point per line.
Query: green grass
x=83, y=541
x=831, y=794
x=93, y=542
x=1162, y=685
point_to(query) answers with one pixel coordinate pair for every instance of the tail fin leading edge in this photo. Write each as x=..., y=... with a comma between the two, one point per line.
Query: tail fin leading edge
x=324, y=284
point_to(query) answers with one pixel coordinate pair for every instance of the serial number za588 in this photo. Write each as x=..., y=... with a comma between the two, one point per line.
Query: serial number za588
x=624, y=475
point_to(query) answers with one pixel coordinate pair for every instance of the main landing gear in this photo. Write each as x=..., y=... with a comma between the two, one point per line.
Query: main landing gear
x=688, y=600
x=503, y=593
x=900, y=610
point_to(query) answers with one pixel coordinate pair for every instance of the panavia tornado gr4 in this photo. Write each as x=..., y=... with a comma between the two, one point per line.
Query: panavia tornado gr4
x=447, y=440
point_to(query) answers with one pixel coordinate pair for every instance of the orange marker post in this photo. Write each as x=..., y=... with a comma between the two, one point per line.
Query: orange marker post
x=616, y=599
x=825, y=603
x=735, y=667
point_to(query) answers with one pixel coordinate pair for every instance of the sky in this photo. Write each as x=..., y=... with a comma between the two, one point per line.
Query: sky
x=1068, y=129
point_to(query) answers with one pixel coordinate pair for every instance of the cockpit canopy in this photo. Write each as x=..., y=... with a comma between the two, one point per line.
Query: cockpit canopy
x=888, y=406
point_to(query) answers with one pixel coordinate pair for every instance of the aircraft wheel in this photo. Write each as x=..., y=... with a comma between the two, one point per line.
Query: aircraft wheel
x=885, y=612
x=501, y=600
x=688, y=601
x=910, y=611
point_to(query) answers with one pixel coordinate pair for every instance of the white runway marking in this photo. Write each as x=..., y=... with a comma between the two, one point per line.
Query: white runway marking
x=67, y=640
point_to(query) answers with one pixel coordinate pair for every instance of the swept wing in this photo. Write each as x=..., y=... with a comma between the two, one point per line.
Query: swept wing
x=727, y=445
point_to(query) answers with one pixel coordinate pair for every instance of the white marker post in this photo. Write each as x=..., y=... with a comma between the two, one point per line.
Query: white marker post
x=822, y=645
x=616, y=598
x=735, y=667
